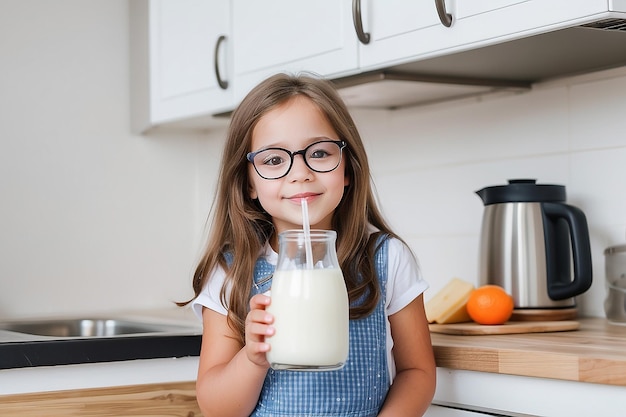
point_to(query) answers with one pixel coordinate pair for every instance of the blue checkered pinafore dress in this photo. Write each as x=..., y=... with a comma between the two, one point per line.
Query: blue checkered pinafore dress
x=356, y=390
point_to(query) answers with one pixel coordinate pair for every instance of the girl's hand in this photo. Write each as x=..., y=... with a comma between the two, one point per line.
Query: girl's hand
x=258, y=327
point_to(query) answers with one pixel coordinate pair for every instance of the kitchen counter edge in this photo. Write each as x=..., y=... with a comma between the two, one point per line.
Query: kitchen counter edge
x=594, y=353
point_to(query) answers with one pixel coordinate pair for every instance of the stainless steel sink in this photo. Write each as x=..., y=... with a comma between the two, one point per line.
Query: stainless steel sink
x=88, y=328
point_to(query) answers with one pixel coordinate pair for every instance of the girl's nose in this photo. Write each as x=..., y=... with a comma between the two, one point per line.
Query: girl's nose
x=299, y=169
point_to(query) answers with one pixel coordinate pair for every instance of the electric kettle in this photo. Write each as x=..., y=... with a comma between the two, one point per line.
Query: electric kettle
x=529, y=241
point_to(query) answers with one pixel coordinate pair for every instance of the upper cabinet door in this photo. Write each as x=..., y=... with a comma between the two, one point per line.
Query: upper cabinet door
x=396, y=30
x=291, y=36
x=479, y=24
x=187, y=72
x=403, y=31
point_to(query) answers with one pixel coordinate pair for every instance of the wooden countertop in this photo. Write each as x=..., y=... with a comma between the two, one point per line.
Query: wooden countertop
x=596, y=352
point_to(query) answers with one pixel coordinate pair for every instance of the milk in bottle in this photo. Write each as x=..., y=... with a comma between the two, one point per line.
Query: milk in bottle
x=310, y=305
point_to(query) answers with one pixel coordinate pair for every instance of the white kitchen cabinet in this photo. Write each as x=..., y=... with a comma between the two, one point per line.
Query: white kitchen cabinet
x=396, y=30
x=263, y=37
x=513, y=395
x=181, y=60
x=403, y=31
x=286, y=35
x=321, y=36
x=513, y=19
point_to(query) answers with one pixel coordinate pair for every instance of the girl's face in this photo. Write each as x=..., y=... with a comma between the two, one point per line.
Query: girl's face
x=294, y=125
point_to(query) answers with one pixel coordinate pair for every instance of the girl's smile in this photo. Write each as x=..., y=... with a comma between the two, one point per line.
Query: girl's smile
x=297, y=199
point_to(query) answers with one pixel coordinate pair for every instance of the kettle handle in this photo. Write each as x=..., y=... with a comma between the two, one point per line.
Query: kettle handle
x=560, y=289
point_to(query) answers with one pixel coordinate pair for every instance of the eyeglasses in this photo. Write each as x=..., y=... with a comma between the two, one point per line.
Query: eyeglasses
x=275, y=163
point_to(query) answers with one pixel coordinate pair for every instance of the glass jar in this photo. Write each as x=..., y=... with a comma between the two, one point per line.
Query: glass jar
x=309, y=303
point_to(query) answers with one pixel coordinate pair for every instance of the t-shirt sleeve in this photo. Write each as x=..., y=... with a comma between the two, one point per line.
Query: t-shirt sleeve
x=404, y=279
x=209, y=297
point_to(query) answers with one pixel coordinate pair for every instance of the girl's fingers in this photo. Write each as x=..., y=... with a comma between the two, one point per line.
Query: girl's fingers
x=258, y=330
x=260, y=347
x=258, y=327
x=260, y=316
x=258, y=321
x=259, y=301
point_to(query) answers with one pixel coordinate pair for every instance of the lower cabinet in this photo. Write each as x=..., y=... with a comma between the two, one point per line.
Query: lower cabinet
x=472, y=393
x=167, y=399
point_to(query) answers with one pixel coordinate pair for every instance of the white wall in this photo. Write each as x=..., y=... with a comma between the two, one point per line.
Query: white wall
x=429, y=161
x=92, y=218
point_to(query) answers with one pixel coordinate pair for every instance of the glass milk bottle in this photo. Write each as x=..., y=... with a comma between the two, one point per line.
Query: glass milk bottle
x=309, y=303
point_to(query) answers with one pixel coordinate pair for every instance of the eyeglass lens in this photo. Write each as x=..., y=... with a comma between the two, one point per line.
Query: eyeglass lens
x=273, y=163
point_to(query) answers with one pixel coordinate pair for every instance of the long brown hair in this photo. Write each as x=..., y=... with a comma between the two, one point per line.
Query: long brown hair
x=241, y=227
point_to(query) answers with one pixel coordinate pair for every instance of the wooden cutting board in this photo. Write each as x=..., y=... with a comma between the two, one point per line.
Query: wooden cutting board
x=510, y=327
x=533, y=314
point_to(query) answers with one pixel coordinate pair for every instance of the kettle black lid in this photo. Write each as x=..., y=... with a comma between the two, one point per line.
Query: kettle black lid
x=522, y=191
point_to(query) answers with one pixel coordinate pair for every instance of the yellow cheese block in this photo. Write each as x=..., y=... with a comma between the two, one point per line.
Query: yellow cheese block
x=448, y=305
x=458, y=315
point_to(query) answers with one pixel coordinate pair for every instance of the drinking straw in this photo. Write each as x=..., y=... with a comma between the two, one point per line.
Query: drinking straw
x=307, y=233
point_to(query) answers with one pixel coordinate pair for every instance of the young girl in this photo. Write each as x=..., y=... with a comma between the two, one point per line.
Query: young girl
x=293, y=138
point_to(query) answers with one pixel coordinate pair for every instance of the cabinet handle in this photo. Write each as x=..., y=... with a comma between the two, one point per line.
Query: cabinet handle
x=222, y=83
x=358, y=22
x=444, y=16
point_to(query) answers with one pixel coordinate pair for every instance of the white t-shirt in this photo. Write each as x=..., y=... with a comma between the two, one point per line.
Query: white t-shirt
x=404, y=284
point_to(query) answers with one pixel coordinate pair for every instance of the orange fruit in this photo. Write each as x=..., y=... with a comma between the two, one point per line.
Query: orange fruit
x=490, y=304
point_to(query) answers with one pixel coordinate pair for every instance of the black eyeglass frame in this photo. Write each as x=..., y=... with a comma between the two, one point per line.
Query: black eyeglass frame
x=340, y=143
